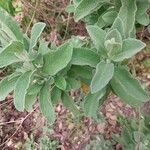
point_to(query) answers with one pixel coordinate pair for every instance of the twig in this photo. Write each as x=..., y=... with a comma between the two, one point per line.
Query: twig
x=142, y=33
x=67, y=25
x=139, y=128
x=33, y=16
x=133, y=66
x=19, y=127
x=9, y=101
x=9, y=122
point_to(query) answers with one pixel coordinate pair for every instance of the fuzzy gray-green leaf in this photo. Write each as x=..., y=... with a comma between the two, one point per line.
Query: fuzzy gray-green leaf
x=81, y=71
x=60, y=82
x=70, y=104
x=109, y=17
x=9, y=26
x=20, y=90
x=7, y=86
x=113, y=42
x=29, y=101
x=46, y=105
x=128, y=88
x=85, y=7
x=34, y=89
x=57, y=60
x=118, y=24
x=56, y=95
x=104, y=73
x=8, y=54
x=127, y=15
x=114, y=33
x=130, y=47
x=142, y=16
x=98, y=37
x=91, y=103
x=73, y=84
x=35, y=33
x=85, y=56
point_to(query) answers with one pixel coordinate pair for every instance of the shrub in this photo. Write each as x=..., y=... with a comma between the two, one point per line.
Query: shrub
x=50, y=73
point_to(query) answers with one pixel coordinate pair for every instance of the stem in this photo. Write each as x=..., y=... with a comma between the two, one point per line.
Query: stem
x=20, y=125
x=139, y=128
x=133, y=67
x=67, y=25
x=33, y=16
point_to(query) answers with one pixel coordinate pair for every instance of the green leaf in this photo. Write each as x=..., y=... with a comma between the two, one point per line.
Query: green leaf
x=5, y=39
x=14, y=75
x=7, y=5
x=31, y=95
x=101, y=23
x=72, y=84
x=109, y=17
x=76, y=2
x=118, y=24
x=34, y=89
x=91, y=103
x=113, y=42
x=20, y=90
x=70, y=8
x=104, y=73
x=117, y=4
x=130, y=47
x=127, y=15
x=8, y=54
x=137, y=135
x=43, y=48
x=60, y=82
x=113, y=48
x=7, y=86
x=83, y=72
x=57, y=60
x=77, y=41
x=29, y=101
x=86, y=7
x=56, y=95
x=98, y=37
x=85, y=56
x=104, y=14
x=114, y=33
x=38, y=61
x=69, y=103
x=46, y=105
x=36, y=31
x=128, y=88
x=10, y=27
x=142, y=16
